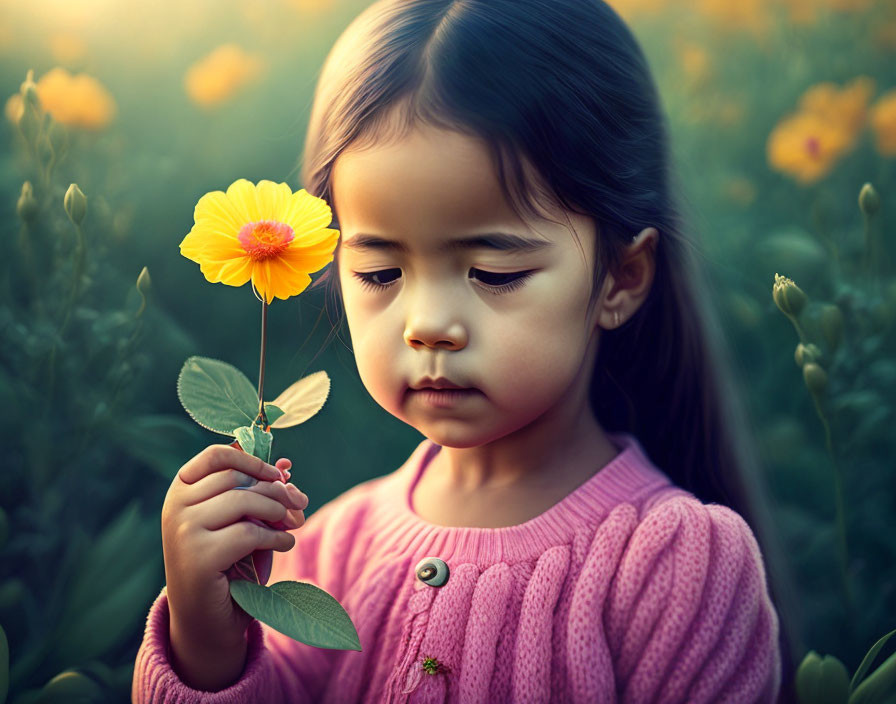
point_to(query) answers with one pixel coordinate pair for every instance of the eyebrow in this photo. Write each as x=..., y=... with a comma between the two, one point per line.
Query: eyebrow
x=490, y=240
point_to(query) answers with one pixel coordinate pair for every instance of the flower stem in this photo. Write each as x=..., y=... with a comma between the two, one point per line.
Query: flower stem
x=841, y=514
x=264, y=334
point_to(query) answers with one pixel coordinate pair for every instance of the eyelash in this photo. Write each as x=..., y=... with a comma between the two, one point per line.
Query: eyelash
x=367, y=281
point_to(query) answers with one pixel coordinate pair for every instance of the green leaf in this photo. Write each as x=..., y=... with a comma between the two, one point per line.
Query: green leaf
x=299, y=610
x=879, y=687
x=118, y=572
x=4, y=665
x=217, y=395
x=255, y=441
x=70, y=687
x=868, y=659
x=272, y=413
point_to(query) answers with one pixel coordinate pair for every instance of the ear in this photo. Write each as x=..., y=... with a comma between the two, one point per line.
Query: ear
x=626, y=289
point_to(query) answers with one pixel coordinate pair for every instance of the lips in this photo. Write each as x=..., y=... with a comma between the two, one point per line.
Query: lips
x=439, y=383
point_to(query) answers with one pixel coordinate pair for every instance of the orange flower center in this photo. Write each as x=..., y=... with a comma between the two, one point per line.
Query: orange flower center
x=265, y=239
x=813, y=146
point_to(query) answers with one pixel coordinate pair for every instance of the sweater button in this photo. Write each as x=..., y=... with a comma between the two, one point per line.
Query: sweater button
x=432, y=571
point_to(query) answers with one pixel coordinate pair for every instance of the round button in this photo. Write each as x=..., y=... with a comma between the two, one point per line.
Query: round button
x=432, y=571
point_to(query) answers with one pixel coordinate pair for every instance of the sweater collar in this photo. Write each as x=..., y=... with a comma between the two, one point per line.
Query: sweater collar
x=628, y=478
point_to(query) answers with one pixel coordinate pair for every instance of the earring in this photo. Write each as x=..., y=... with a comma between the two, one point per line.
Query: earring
x=616, y=318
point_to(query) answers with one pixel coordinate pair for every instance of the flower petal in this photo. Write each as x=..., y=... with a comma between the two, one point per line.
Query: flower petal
x=216, y=210
x=286, y=280
x=306, y=214
x=241, y=193
x=272, y=199
x=203, y=240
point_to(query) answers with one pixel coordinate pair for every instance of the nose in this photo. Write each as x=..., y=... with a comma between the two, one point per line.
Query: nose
x=434, y=321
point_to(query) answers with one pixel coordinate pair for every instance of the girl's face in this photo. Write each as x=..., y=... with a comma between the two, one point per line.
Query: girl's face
x=423, y=297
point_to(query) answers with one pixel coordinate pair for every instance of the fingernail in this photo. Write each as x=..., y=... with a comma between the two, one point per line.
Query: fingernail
x=295, y=496
x=245, y=480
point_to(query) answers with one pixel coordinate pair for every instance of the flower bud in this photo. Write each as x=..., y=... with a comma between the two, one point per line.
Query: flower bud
x=75, y=204
x=29, y=122
x=832, y=325
x=788, y=296
x=869, y=200
x=28, y=90
x=805, y=354
x=27, y=205
x=144, y=282
x=815, y=377
x=822, y=680
x=143, y=286
x=58, y=137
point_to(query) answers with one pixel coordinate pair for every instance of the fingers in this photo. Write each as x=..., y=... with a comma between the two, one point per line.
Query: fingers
x=232, y=506
x=226, y=479
x=217, y=457
x=243, y=537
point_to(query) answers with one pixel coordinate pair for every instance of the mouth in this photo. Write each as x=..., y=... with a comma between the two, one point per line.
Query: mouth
x=442, y=398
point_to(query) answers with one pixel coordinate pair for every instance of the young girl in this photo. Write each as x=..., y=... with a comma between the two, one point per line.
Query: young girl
x=575, y=526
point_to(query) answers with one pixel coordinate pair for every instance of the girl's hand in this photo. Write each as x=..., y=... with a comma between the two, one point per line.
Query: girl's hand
x=204, y=533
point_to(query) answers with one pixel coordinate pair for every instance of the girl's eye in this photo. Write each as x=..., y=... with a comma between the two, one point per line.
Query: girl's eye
x=495, y=282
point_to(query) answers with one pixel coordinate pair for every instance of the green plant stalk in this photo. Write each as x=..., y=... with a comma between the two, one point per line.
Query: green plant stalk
x=798, y=328
x=80, y=265
x=261, y=417
x=840, y=514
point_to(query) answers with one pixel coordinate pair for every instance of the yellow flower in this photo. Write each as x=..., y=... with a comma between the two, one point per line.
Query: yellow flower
x=218, y=76
x=80, y=100
x=807, y=143
x=695, y=62
x=749, y=15
x=845, y=108
x=265, y=233
x=883, y=122
x=806, y=146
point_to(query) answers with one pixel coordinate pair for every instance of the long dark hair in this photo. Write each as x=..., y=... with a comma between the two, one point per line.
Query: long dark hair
x=563, y=87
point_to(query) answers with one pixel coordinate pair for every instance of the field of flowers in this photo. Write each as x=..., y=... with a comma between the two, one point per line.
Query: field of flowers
x=119, y=116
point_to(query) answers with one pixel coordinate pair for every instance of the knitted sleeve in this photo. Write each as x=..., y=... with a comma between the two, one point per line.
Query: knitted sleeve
x=689, y=617
x=278, y=669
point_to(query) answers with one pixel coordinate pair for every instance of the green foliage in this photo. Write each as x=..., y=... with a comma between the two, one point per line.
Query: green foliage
x=299, y=610
x=825, y=680
x=217, y=395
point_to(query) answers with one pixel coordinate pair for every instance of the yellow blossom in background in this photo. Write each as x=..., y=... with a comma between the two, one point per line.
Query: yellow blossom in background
x=218, y=76
x=846, y=108
x=806, y=146
x=13, y=108
x=265, y=233
x=695, y=62
x=79, y=101
x=750, y=15
x=67, y=48
x=882, y=118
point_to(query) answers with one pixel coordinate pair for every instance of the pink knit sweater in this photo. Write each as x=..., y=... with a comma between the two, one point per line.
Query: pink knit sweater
x=627, y=590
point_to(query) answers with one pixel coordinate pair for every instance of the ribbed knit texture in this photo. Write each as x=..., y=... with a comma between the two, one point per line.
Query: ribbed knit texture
x=627, y=590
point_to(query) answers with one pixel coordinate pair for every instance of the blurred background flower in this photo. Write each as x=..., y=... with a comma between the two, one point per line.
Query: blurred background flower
x=219, y=75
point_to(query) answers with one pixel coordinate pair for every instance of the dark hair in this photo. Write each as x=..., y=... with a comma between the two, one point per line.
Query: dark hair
x=562, y=86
